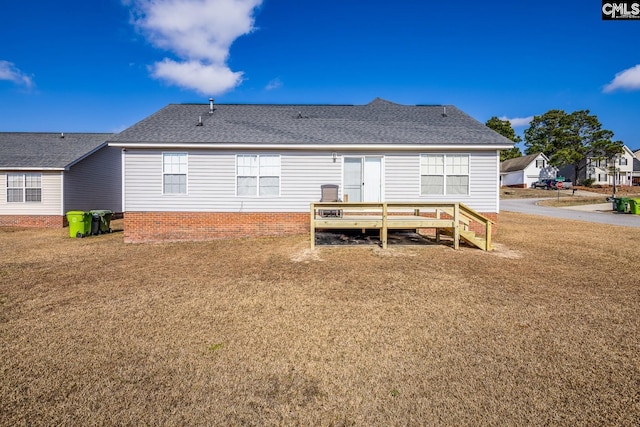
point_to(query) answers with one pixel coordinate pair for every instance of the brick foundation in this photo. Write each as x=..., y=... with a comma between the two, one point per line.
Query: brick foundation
x=142, y=227
x=35, y=221
x=183, y=226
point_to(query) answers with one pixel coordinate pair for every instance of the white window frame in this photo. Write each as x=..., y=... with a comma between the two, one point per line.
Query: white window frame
x=175, y=169
x=258, y=171
x=540, y=163
x=448, y=169
x=24, y=186
x=625, y=161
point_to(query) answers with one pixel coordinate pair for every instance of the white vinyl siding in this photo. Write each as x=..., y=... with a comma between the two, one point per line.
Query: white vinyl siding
x=213, y=183
x=50, y=196
x=174, y=173
x=95, y=182
x=258, y=175
x=444, y=174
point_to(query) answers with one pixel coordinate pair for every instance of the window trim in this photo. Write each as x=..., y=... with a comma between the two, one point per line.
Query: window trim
x=444, y=174
x=186, y=173
x=23, y=187
x=258, y=176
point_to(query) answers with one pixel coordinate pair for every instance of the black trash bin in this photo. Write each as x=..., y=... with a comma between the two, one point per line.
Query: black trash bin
x=101, y=222
x=95, y=223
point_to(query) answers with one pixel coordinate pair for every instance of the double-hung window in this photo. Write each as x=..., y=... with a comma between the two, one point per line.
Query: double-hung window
x=174, y=173
x=444, y=174
x=24, y=187
x=258, y=175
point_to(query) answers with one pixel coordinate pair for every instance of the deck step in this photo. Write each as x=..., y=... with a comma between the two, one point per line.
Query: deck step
x=469, y=237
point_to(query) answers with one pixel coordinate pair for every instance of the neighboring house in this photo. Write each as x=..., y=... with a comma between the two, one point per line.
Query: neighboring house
x=635, y=176
x=523, y=171
x=600, y=170
x=204, y=171
x=45, y=175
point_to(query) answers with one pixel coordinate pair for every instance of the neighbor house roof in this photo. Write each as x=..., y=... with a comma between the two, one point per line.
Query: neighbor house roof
x=42, y=151
x=377, y=123
x=518, y=163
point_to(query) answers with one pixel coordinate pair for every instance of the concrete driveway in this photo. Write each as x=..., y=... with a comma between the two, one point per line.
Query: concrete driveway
x=599, y=213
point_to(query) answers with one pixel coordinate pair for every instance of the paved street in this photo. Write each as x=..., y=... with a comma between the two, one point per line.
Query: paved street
x=598, y=213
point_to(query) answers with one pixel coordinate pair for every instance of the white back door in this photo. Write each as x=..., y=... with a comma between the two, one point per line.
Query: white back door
x=362, y=179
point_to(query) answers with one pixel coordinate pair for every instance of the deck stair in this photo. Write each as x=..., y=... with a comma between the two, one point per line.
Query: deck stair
x=467, y=217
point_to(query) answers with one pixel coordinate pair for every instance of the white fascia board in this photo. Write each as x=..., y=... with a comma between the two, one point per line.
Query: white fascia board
x=313, y=147
x=23, y=169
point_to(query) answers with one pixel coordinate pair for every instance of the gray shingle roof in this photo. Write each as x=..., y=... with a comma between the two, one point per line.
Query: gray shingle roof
x=379, y=122
x=22, y=150
x=517, y=164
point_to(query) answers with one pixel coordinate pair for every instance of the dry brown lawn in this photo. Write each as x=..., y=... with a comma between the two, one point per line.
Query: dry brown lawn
x=543, y=331
x=605, y=191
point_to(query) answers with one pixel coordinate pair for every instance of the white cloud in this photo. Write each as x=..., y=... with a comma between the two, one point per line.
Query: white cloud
x=206, y=79
x=8, y=71
x=200, y=33
x=628, y=79
x=517, y=122
x=274, y=84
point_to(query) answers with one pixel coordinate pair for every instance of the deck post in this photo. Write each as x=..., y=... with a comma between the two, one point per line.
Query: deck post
x=488, y=236
x=456, y=226
x=312, y=226
x=383, y=232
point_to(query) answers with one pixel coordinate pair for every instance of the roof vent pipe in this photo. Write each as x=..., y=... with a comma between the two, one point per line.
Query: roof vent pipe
x=444, y=111
x=199, y=121
x=62, y=135
x=210, y=105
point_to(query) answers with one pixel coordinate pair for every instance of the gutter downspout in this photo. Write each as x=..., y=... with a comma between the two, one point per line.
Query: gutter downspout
x=498, y=182
x=122, y=183
x=62, y=193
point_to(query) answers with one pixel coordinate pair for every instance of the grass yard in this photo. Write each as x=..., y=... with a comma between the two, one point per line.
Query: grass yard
x=543, y=331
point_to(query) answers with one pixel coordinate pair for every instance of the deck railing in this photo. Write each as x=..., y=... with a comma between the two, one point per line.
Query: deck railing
x=452, y=218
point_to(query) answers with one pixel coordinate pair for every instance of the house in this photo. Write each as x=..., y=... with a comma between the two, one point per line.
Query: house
x=205, y=171
x=523, y=171
x=600, y=170
x=46, y=175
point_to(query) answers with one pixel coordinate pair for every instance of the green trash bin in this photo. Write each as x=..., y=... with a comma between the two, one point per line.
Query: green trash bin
x=101, y=221
x=622, y=204
x=634, y=206
x=79, y=223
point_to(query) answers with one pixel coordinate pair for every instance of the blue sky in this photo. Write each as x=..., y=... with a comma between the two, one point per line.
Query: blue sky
x=103, y=65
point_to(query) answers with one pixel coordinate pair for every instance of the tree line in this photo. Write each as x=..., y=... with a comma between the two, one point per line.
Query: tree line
x=565, y=138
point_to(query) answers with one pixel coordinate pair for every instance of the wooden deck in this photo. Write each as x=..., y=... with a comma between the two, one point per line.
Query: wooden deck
x=453, y=219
